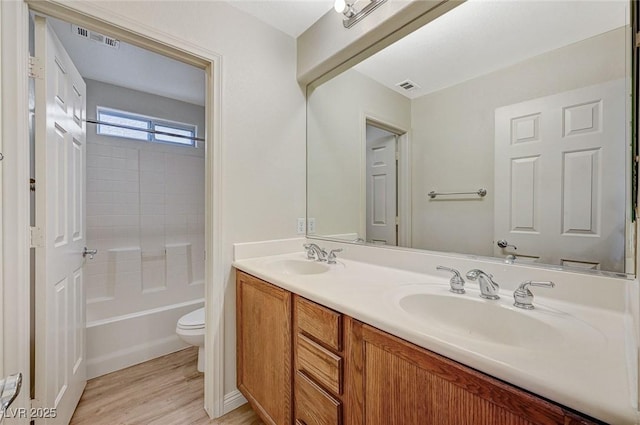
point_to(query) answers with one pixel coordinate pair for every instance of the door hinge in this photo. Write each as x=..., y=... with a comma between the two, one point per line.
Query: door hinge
x=638, y=39
x=37, y=237
x=36, y=69
x=397, y=220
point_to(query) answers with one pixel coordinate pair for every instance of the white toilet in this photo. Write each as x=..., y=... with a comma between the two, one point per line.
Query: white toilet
x=190, y=328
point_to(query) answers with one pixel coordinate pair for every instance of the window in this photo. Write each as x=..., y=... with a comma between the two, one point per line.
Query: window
x=140, y=127
x=127, y=122
x=164, y=131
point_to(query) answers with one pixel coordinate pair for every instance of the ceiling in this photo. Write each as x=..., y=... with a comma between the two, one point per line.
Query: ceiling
x=482, y=36
x=132, y=67
x=292, y=17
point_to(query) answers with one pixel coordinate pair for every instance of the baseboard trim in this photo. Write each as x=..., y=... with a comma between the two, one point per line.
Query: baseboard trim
x=233, y=400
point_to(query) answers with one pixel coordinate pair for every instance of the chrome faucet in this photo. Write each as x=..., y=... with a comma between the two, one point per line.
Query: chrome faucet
x=488, y=288
x=314, y=252
x=456, y=281
x=523, y=297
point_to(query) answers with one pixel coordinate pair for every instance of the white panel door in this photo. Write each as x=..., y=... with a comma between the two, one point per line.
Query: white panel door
x=553, y=200
x=381, y=187
x=60, y=215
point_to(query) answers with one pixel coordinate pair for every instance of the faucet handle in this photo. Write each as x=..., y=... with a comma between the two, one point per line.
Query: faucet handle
x=311, y=250
x=523, y=297
x=331, y=257
x=456, y=281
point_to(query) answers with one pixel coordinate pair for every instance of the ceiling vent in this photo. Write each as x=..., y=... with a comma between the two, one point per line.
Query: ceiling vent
x=408, y=85
x=95, y=36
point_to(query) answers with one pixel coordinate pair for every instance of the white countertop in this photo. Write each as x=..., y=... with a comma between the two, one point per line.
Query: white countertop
x=591, y=376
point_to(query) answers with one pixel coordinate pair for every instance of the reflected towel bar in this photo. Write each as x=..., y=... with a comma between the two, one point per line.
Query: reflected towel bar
x=480, y=192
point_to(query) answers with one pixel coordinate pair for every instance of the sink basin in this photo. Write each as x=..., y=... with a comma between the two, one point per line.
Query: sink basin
x=298, y=267
x=495, y=322
x=479, y=319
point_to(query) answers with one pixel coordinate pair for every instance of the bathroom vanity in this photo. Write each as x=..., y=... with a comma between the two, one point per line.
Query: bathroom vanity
x=307, y=354
x=300, y=362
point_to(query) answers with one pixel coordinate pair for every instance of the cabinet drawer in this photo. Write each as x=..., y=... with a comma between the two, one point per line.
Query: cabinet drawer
x=319, y=322
x=320, y=364
x=313, y=406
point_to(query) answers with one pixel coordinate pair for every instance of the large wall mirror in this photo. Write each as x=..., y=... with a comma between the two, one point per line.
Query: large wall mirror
x=501, y=129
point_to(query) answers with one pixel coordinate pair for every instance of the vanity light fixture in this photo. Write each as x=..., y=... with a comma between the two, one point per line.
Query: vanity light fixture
x=351, y=15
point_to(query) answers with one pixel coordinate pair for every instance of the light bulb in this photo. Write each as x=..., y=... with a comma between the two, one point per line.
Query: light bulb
x=340, y=6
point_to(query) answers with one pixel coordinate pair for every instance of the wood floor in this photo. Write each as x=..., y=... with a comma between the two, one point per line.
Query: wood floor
x=164, y=391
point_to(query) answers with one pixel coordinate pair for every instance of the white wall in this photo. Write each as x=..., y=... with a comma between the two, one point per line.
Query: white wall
x=453, y=137
x=263, y=121
x=336, y=131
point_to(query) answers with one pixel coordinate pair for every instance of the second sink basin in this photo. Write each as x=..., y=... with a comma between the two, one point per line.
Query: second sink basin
x=478, y=319
x=495, y=322
x=298, y=267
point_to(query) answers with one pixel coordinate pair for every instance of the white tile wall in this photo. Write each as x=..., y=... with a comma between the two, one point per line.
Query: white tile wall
x=145, y=215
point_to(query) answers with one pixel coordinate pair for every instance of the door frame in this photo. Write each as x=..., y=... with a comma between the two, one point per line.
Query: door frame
x=403, y=183
x=15, y=220
x=15, y=232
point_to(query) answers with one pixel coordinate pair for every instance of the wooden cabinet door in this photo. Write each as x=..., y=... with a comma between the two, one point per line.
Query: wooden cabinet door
x=391, y=381
x=263, y=314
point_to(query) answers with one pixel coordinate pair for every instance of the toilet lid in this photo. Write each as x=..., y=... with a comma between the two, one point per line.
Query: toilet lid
x=192, y=320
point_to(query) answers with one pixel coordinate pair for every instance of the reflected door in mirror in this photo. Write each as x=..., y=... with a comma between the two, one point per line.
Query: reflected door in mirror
x=553, y=200
x=382, y=189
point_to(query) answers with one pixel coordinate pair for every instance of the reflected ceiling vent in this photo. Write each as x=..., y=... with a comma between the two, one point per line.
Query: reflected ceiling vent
x=408, y=85
x=95, y=36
